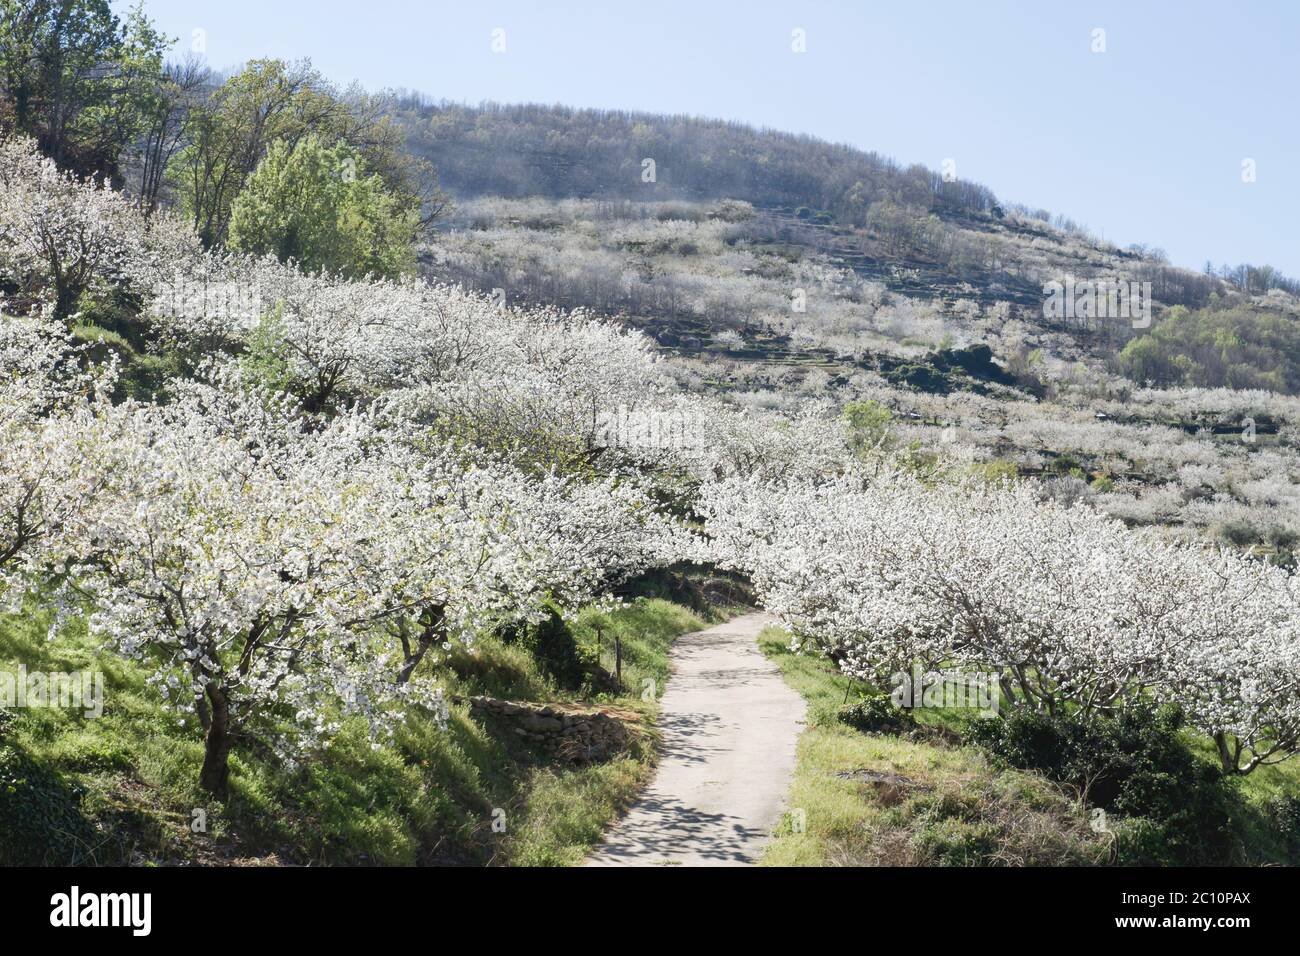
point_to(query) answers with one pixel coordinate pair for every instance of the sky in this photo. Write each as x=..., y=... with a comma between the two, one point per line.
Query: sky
x=1140, y=132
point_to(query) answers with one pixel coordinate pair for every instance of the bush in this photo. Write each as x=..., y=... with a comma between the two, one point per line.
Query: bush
x=877, y=714
x=923, y=377
x=703, y=589
x=1283, y=814
x=953, y=842
x=996, y=472
x=1135, y=764
x=976, y=361
x=1140, y=841
x=1066, y=464
x=1237, y=532
x=1013, y=819
x=868, y=422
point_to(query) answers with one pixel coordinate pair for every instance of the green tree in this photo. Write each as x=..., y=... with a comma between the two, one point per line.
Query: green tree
x=78, y=80
x=1244, y=347
x=271, y=101
x=319, y=206
x=868, y=423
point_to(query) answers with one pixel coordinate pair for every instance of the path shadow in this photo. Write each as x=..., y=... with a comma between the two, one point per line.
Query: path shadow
x=662, y=830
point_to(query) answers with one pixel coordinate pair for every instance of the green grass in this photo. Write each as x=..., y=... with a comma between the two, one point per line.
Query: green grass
x=1257, y=830
x=142, y=375
x=931, y=804
x=953, y=806
x=123, y=787
x=645, y=630
x=562, y=814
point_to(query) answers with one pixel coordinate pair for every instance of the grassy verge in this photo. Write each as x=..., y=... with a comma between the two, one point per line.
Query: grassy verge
x=122, y=788
x=867, y=799
x=926, y=797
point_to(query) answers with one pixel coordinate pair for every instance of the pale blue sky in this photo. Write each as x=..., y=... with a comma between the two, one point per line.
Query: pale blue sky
x=1142, y=143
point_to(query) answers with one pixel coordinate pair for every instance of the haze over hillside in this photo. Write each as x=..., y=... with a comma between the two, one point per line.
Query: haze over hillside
x=1141, y=137
x=915, y=230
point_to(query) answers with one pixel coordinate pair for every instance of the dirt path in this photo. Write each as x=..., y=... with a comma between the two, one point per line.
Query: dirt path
x=729, y=724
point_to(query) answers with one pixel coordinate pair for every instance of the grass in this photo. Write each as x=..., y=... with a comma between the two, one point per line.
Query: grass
x=1257, y=830
x=927, y=798
x=123, y=787
x=143, y=375
x=644, y=631
x=911, y=801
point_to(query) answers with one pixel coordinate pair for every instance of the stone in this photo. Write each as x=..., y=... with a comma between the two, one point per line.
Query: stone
x=571, y=733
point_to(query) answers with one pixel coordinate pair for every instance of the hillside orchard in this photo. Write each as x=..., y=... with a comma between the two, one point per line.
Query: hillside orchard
x=344, y=478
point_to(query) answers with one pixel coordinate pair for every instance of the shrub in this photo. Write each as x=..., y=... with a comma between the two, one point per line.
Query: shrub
x=976, y=361
x=1283, y=537
x=1134, y=763
x=1283, y=558
x=556, y=649
x=1237, y=532
x=1066, y=464
x=868, y=423
x=1283, y=814
x=877, y=714
x=923, y=377
x=1012, y=819
x=997, y=472
x=1140, y=841
x=953, y=842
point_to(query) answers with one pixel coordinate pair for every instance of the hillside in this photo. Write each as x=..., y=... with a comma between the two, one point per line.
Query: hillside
x=716, y=283
x=362, y=458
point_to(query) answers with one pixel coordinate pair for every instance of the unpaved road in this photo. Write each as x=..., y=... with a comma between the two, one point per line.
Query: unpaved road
x=730, y=725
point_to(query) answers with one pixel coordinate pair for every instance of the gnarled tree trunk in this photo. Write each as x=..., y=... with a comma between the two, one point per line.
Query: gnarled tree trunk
x=215, y=775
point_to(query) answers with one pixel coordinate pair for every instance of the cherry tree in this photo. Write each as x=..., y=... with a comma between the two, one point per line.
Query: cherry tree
x=361, y=337
x=226, y=561
x=466, y=541
x=60, y=439
x=1068, y=607
x=61, y=236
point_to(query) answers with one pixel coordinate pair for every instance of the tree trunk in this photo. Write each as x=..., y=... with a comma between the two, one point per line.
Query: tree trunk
x=432, y=621
x=215, y=775
x=1227, y=757
x=65, y=299
x=408, y=668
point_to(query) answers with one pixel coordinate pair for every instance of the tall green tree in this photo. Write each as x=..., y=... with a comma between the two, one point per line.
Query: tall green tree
x=76, y=79
x=271, y=101
x=319, y=206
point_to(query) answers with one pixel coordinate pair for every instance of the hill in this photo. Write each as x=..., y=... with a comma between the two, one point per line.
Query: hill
x=910, y=230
